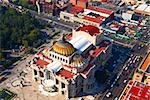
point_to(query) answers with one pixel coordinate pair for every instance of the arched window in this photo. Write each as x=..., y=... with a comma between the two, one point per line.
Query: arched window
x=41, y=74
x=35, y=72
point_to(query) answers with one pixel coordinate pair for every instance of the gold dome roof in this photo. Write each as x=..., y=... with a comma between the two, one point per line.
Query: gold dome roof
x=77, y=61
x=63, y=48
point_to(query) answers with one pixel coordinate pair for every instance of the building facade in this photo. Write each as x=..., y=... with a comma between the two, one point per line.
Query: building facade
x=68, y=67
x=142, y=74
x=89, y=16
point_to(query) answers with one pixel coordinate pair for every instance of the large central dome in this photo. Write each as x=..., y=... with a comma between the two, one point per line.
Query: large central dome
x=63, y=48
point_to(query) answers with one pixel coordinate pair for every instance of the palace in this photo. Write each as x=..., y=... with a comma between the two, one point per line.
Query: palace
x=68, y=67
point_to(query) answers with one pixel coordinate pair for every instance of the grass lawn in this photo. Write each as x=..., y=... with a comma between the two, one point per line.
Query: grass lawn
x=6, y=94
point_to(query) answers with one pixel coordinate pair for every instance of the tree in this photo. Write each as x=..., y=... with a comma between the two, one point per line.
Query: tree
x=25, y=43
x=2, y=57
x=33, y=36
x=22, y=30
x=7, y=63
x=23, y=3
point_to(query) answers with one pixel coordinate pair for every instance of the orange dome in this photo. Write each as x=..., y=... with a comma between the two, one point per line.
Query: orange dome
x=63, y=48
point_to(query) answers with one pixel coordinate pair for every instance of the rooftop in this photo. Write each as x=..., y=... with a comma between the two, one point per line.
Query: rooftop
x=146, y=63
x=103, y=45
x=83, y=0
x=41, y=63
x=92, y=30
x=94, y=14
x=102, y=10
x=96, y=20
x=143, y=8
x=76, y=9
x=86, y=70
x=65, y=73
x=136, y=91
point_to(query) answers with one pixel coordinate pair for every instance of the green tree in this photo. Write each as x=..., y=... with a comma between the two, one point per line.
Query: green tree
x=25, y=43
x=2, y=57
x=33, y=36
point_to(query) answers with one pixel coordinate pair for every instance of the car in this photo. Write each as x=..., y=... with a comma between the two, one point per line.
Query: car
x=112, y=85
x=124, y=81
x=129, y=59
x=137, y=59
x=114, y=65
x=126, y=68
x=139, y=47
x=108, y=94
x=116, y=98
x=142, y=45
x=118, y=77
x=130, y=62
x=128, y=65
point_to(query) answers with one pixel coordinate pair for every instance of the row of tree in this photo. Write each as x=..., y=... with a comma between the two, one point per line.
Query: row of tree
x=17, y=29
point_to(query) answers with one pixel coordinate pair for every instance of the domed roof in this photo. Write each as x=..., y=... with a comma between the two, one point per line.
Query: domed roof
x=63, y=48
x=77, y=61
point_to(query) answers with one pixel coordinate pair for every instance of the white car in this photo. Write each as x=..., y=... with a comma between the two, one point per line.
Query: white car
x=126, y=68
x=108, y=94
x=124, y=81
x=137, y=59
x=116, y=98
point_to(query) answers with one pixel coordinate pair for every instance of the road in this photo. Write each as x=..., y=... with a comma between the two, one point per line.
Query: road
x=42, y=16
x=122, y=78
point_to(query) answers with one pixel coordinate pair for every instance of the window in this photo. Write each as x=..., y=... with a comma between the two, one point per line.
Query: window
x=66, y=61
x=41, y=74
x=66, y=17
x=35, y=72
x=57, y=82
x=76, y=84
x=48, y=74
x=62, y=85
x=62, y=92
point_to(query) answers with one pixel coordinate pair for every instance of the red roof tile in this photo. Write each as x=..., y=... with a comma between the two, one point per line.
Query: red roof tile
x=102, y=47
x=76, y=9
x=102, y=10
x=86, y=70
x=97, y=52
x=96, y=20
x=69, y=36
x=70, y=67
x=138, y=91
x=41, y=63
x=65, y=73
x=83, y=0
x=92, y=30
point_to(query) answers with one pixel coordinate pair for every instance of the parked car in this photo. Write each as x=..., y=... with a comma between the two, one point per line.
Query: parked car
x=108, y=94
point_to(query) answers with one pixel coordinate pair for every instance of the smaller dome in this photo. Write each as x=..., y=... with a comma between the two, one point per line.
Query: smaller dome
x=77, y=61
x=63, y=48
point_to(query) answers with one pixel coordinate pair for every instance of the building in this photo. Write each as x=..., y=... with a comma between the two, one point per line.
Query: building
x=143, y=9
x=89, y=16
x=133, y=2
x=136, y=91
x=51, y=7
x=5, y=1
x=142, y=74
x=68, y=67
x=32, y=1
x=82, y=3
